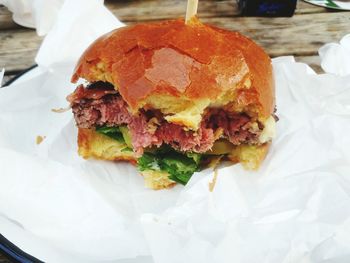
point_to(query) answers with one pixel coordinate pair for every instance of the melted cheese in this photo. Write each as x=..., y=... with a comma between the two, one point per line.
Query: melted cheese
x=269, y=131
x=191, y=117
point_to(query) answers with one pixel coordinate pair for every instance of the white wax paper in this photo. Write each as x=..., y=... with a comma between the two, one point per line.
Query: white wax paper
x=39, y=14
x=62, y=208
x=335, y=57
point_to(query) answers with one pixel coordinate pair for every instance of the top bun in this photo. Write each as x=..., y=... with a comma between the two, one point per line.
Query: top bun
x=181, y=69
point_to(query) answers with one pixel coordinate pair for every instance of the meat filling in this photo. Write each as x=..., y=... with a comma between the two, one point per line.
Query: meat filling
x=93, y=107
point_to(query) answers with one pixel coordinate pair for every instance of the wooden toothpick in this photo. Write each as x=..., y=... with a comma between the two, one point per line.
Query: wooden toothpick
x=191, y=11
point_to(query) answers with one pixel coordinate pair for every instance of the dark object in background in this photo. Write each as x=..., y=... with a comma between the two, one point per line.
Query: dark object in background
x=267, y=7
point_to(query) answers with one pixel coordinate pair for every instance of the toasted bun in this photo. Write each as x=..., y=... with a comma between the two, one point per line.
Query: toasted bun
x=94, y=145
x=250, y=156
x=182, y=69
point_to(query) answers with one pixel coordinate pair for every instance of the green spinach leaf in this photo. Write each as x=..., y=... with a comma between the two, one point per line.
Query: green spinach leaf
x=180, y=166
x=112, y=132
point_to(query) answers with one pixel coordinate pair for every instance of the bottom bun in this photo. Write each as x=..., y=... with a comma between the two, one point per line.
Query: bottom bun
x=99, y=146
x=94, y=145
x=250, y=156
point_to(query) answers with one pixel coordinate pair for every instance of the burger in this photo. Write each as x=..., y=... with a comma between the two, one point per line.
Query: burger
x=171, y=98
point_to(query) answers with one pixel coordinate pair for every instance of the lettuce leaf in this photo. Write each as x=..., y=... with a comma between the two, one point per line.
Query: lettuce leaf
x=195, y=156
x=112, y=132
x=148, y=161
x=180, y=166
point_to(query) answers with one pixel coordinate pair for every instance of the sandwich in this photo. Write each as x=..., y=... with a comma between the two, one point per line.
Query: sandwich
x=171, y=98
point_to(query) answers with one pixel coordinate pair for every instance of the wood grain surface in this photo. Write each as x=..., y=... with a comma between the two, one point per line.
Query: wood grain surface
x=301, y=35
x=131, y=11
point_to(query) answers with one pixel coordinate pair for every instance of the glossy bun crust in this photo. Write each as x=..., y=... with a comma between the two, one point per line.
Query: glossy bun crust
x=186, y=65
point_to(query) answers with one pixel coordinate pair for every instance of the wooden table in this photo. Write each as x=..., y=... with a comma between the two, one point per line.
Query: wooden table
x=301, y=35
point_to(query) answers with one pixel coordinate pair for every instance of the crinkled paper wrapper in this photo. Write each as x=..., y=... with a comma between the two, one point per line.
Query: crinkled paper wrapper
x=62, y=208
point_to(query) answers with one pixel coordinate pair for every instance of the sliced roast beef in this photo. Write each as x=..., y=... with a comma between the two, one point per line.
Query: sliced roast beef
x=236, y=126
x=98, y=107
x=141, y=135
x=176, y=136
x=108, y=110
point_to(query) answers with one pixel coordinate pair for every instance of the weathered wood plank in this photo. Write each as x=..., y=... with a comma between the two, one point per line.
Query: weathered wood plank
x=133, y=10
x=168, y=9
x=313, y=61
x=18, y=48
x=6, y=21
x=165, y=9
x=301, y=35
